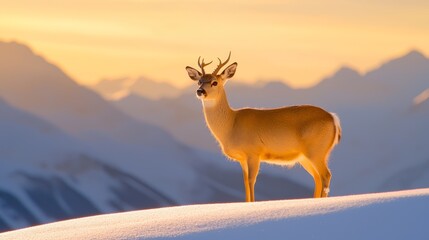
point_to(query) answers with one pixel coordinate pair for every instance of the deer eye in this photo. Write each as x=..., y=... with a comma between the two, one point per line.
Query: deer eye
x=214, y=83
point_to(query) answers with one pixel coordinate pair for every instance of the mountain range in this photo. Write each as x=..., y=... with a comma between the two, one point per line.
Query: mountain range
x=114, y=89
x=48, y=175
x=66, y=152
x=384, y=114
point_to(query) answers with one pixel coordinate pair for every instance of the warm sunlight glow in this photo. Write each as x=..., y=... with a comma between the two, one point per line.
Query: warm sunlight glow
x=296, y=41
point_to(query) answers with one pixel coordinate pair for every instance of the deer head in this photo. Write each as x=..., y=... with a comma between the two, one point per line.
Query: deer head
x=210, y=85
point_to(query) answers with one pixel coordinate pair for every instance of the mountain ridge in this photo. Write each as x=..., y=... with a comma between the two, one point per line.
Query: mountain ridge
x=382, y=126
x=96, y=153
x=342, y=72
x=40, y=181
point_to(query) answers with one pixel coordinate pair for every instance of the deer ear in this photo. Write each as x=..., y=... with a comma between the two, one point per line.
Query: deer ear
x=229, y=71
x=193, y=73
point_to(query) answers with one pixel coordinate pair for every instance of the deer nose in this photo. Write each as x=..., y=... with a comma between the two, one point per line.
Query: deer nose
x=200, y=92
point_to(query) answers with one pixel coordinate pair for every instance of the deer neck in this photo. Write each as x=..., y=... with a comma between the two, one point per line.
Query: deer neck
x=219, y=116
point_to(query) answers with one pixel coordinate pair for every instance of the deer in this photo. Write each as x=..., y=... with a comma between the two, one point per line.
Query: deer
x=285, y=136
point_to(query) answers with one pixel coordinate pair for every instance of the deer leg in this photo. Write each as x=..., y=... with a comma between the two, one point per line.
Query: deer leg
x=326, y=181
x=253, y=166
x=245, y=169
x=325, y=175
x=310, y=168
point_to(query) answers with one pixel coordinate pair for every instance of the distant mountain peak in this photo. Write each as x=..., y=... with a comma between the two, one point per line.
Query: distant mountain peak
x=14, y=44
x=412, y=57
x=414, y=53
x=410, y=64
x=116, y=89
x=16, y=48
x=276, y=84
x=346, y=71
x=344, y=75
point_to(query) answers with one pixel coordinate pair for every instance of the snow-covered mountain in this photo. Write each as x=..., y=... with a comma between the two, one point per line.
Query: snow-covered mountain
x=72, y=139
x=139, y=148
x=48, y=175
x=30, y=83
x=384, y=144
x=114, y=89
x=392, y=215
x=66, y=152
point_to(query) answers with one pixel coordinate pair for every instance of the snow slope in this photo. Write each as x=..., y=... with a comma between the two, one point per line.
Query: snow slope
x=393, y=215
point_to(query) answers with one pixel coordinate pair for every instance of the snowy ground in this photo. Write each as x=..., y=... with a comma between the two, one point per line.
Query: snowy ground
x=394, y=215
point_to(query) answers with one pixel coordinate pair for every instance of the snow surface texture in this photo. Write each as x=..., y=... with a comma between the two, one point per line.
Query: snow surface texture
x=393, y=215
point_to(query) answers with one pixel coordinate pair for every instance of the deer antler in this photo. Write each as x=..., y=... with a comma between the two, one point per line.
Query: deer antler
x=202, y=65
x=221, y=64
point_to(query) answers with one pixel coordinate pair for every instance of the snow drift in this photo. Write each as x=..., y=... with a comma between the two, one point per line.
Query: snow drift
x=394, y=215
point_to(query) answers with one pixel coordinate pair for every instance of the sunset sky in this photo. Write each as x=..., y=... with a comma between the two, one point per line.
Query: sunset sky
x=298, y=41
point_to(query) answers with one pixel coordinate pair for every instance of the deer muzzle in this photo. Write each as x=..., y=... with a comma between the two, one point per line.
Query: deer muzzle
x=201, y=92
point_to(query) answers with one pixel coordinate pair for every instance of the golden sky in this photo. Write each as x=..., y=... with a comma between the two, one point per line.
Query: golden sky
x=298, y=41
